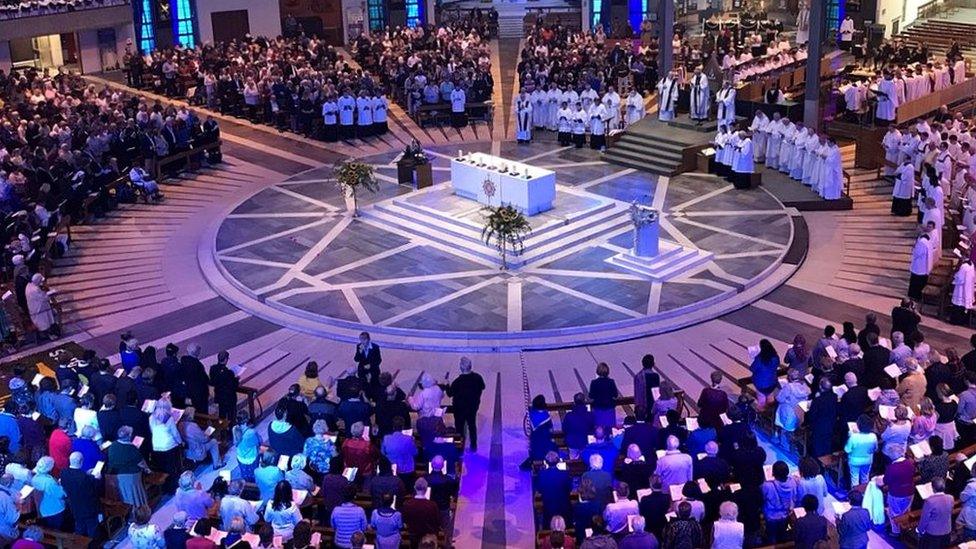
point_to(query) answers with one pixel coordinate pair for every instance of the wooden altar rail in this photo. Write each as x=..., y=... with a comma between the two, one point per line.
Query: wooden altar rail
x=755, y=90
x=931, y=102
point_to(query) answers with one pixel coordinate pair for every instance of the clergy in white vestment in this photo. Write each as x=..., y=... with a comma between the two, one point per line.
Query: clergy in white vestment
x=700, y=97
x=903, y=190
x=723, y=151
x=564, y=125
x=599, y=120
x=832, y=173
x=523, y=118
x=554, y=99
x=760, y=134
x=962, y=292
x=888, y=100
x=459, y=113
x=932, y=224
x=634, y=108
x=667, y=96
x=810, y=159
x=774, y=138
x=725, y=100
x=589, y=97
x=892, y=146
x=920, y=267
x=578, y=124
x=959, y=71
x=819, y=163
x=846, y=33
x=39, y=304
x=539, y=100
x=790, y=131
x=944, y=162
x=571, y=98
x=611, y=100
x=800, y=151
x=742, y=162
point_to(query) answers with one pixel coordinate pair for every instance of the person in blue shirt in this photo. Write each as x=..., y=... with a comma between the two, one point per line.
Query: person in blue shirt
x=764, y=368
x=9, y=427
x=578, y=425
x=52, y=496
x=268, y=475
x=601, y=445
x=554, y=486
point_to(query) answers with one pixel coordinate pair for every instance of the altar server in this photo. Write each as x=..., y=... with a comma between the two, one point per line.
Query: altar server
x=920, y=267
x=554, y=97
x=814, y=142
x=364, y=115
x=789, y=133
x=962, y=292
x=725, y=99
x=578, y=123
x=944, y=162
x=564, y=125
x=846, y=33
x=611, y=101
x=799, y=152
x=330, y=119
x=539, y=98
x=523, y=118
x=760, y=132
x=347, y=106
x=723, y=151
x=832, y=172
x=700, y=96
x=459, y=114
x=892, y=147
x=571, y=98
x=380, y=107
x=667, y=94
x=742, y=163
x=588, y=98
x=634, y=107
x=599, y=118
x=903, y=190
x=774, y=139
x=888, y=99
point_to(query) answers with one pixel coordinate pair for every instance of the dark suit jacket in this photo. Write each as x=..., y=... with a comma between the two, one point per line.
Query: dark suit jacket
x=875, y=360
x=465, y=392
x=714, y=470
x=653, y=508
x=197, y=382
x=225, y=384
x=442, y=489
x=125, y=390
x=583, y=513
x=137, y=419
x=577, y=425
x=176, y=538
x=369, y=363
x=554, y=486
x=644, y=435
x=82, y=490
x=809, y=530
x=853, y=403
x=904, y=320
x=109, y=422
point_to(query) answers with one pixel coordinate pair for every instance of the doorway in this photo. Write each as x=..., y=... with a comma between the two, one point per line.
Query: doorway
x=229, y=25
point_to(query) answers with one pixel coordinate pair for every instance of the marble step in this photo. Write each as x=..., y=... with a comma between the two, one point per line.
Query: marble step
x=662, y=267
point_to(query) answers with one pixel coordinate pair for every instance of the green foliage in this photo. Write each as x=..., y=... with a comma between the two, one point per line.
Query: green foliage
x=505, y=228
x=353, y=176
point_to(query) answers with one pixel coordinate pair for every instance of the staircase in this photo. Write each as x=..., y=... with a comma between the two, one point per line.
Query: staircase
x=511, y=27
x=649, y=153
x=938, y=34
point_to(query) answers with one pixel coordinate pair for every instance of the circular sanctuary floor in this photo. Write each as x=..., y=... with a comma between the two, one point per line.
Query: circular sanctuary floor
x=412, y=266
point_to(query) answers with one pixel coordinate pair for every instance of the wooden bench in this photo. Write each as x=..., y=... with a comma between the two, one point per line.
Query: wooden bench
x=440, y=113
x=64, y=540
x=188, y=156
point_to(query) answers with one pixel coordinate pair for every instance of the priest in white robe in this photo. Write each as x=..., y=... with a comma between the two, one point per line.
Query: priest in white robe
x=611, y=101
x=667, y=96
x=634, y=108
x=810, y=159
x=774, y=138
x=725, y=100
x=742, y=164
x=523, y=118
x=832, y=173
x=760, y=134
x=800, y=152
x=903, y=190
x=554, y=97
x=700, y=97
x=789, y=132
x=920, y=267
x=932, y=223
x=963, y=286
x=539, y=100
x=39, y=304
x=589, y=97
x=892, y=146
x=846, y=33
x=564, y=125
x=578, y=124
x=723, y=151
x=888, y=101
x=599, y=120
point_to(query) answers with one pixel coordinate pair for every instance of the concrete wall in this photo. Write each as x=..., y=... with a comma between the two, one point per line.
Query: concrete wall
x=99, y=18
x=5, y=63
x=263, y=16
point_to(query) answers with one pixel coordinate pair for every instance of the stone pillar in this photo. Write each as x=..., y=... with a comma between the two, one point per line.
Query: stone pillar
x=664, y=39
x=646, y=230
x=815, y=49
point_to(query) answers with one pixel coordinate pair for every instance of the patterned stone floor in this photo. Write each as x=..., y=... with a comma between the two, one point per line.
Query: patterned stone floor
x=413, y=260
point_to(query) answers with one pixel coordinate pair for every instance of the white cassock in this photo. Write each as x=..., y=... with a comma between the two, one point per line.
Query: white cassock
x=725, y=99
x=847, y=30
x=611, y=102
x=936, y=216
x=564, y=122
x=832, y=174
x=904, y=182
x=786, y=146
x=943, y=165
x=634, y=108
x=523, y=119
x=39, y=306
x=892, y=147
x=700, y=97
x=570, y=97
x=799, y=154
x=723, y=150
x=774, y=139
x=539, y=113
x=921, y=257
x=598, y=119
x=810, y=160
x=667, y=94
x=555, y=97
x=587, y=98
x=742, y=161
x=968, y=211
x=963, y=286
x=759, y=129
x=816, y=176
x=888, y=100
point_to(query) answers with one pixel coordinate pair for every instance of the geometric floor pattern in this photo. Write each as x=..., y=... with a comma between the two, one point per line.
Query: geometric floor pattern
x=413, y=260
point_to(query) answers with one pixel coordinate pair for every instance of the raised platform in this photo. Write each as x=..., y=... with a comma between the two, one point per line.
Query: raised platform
x=414, y=269
x=710, y=127
x=662, y=148
x=797, y=195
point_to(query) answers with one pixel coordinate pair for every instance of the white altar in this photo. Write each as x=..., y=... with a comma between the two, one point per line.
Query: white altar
x=494, y=181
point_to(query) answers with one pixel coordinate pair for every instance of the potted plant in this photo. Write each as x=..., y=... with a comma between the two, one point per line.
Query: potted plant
x=353, y=176
x=506, y=228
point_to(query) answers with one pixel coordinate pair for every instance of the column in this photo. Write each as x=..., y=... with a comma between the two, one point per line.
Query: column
x=88, y=51
x=5, y=62
x=811, y=92
x=585, y=15
x=664, y=39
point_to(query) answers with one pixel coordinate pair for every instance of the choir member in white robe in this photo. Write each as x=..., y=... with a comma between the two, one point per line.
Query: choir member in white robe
x=892, y=146
x=819, y=161
x=701, y=96
x=760, y=132
x=920, y=267
x=39, y=304
x=578, y=124
x=611, y=101
x=832, y=173
x=742, y=163
x=364, y=115
x=888, y=100
x=800, y=152
x=723, y=151
x=963, y=286
x=552, y=108
x=814, y=142
x=588, y=97
x=459, y=115
x=539, y=99
x=667, y=96
x=347, y=106
x=380, y=107
x=523, y=118
x=932, y=223
x=969, y=209
x=564, y=125
x=903, y=190
x=774, y=138
x=789, y=132
x=599, y=119
x=571, y=98
x=634, y=108
x=846, y=33
x=959, y=71
x=725, y=99
x=944, y=162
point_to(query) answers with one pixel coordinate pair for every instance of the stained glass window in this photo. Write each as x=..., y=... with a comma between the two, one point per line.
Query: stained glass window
x=183, y=22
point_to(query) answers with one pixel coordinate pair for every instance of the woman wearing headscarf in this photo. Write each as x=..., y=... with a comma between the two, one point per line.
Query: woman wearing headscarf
x=39, y=305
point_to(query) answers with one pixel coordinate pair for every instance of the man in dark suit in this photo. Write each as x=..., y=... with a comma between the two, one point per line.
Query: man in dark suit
x=876, y=357
x=443, y=488
x=177, y=534
x=109, y=418
x=935, y=524
x=732, y=434
x=368, y=359
x=125, y=387
x=654, y=506
x=712, y=468
x=578, y=425
x=225, y=384
x=602, y=446
x=641, y=433
x=811, y=527
x=904, y=319
x=747, y=462
x=465, y=392
x=854, y=401
x=102, y=383
x=822, y=420
x=82, y=491
x=870, y=327
x=195, y=376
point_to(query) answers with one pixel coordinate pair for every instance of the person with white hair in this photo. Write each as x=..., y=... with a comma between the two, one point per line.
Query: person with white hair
x=40, y=307
x=427, y=401
x=465, y=392
x=50, y=507
x=166, y=442
x=195, y=378
x=82, y=492
x=198, y=444
x=674, y=467
x=296, y=475
x=191, y=498
x=234, y=506
x=728, y=532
